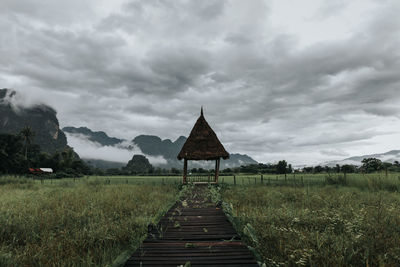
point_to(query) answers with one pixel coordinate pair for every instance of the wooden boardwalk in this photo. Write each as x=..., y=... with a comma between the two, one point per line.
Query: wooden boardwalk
x=194, y=230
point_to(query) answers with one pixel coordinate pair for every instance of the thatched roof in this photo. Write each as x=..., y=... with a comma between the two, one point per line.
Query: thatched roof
x=203, y=143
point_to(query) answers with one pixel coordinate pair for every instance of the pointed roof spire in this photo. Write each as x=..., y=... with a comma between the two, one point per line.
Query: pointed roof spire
x=202, y=143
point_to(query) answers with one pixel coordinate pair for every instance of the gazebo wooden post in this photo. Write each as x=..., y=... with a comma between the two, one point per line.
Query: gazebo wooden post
x=216, y=170
x=185, y=171
x=202, y=144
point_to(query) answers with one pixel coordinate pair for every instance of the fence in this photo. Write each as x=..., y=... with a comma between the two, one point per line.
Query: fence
x=201, y=178
x=376, y=181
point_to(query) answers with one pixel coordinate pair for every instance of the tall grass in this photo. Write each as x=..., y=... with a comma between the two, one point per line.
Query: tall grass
x=320, y=226
x=371, y=181
x=86, y=224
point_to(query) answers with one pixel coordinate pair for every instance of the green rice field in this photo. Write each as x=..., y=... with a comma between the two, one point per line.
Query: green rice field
x=318, y=226
x=76, y=224
x=300, y=220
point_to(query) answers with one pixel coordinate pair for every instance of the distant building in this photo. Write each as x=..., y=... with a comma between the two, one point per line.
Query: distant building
x=40, y=170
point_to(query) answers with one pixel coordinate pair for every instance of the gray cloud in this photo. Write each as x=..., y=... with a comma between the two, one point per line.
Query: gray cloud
x=139, y=67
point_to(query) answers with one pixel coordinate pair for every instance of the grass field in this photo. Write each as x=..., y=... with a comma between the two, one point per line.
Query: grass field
x=371, y=181
x=318, y=226
x=300, y=220
x=68, y=224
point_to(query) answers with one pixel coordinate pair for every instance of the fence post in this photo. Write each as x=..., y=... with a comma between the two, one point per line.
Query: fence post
x=234, y=180
x=302, y=182
x=262, y=179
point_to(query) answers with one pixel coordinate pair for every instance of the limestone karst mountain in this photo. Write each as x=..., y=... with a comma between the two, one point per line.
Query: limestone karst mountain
x=151, y=145
x=41, y=118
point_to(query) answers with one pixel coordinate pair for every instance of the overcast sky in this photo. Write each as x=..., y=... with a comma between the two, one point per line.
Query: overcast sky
x=306, y=81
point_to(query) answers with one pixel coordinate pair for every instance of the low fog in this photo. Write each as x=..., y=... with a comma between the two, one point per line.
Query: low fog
x=93, y=150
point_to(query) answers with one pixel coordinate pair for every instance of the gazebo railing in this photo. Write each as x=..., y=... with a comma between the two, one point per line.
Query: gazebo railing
x=206, y=178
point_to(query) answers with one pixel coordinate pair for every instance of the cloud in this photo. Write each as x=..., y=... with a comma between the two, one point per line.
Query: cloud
x=334, y=152
x=92, y=150
x=276, y=78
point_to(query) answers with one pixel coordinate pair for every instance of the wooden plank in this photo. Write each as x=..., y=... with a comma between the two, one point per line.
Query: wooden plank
x=199, y=233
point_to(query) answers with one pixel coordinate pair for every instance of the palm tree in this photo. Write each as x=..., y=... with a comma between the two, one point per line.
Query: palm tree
x=68, y=157
x=28, y=135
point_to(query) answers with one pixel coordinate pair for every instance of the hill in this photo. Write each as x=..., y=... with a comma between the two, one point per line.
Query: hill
x=154, y=147
x=99, y=137
x=103, y=164
x=389, y=156
x=41, y=118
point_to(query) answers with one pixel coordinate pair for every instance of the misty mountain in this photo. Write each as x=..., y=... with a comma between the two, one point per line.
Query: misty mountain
x=99, y=137
x=41, y=118
x=154, y=147
x=104, y=164
x=138, y=164
x=389, y=156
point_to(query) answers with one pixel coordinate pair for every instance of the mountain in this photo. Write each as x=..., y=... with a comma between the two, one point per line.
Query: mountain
x=41, y=118
x=139, y=164
x=99, y=137
x=104, y=164
x=389, y=156
x=153, y=147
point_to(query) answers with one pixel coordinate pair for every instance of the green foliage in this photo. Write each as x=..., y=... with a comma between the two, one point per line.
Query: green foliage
x=348, y=168
x=281, y=167
x=76, y=225
x=11, y=156
x=17, y=155
x=319, y=226
x=27, y=134
x=139, y=164
x=15, y=180
x=372, y=164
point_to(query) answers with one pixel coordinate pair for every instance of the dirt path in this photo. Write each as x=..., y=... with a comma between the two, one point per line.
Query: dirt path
x=193, y=231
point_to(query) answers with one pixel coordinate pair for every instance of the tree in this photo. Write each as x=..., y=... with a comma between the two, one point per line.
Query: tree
x=349, y=168
x=372, y=164
x=318, y=169
x=290, y=169
x=27, y=135
x=138, y=164
x=281, y=167
x=337, y=168
x=68, y=156
x=11, y=157
x=175, y=171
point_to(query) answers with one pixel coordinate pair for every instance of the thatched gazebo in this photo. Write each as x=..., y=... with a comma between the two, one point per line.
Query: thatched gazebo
x=202, y=144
